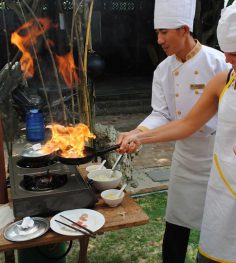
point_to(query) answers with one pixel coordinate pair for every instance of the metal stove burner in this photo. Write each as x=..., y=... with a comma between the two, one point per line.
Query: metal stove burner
x=26, y=163
x=73, y=192
x=44, y=182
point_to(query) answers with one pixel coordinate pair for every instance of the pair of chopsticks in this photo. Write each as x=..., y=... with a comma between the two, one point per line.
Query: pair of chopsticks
x=81, y=229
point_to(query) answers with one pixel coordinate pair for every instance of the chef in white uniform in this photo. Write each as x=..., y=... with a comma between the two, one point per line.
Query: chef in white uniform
x=218, y=232
x=178, y=83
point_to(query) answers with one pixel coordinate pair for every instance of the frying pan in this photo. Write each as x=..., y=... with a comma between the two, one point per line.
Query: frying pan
x=37, y=155
x=89, y=155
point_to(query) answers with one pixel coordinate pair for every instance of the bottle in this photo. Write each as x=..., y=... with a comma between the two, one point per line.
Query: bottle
x=35, y=130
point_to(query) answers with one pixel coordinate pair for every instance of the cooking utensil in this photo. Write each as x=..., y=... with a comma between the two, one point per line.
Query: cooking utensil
x=234, y=149
x=36, y=154
x=119, y=194
x=116, y=163
x=102, y=164
x=89, y=155
x=76, y=229
x=83, y=227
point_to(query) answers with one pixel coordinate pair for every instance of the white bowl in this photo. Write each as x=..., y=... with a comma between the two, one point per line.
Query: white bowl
x=102, y=180
x=93, y=167
x=110, y=197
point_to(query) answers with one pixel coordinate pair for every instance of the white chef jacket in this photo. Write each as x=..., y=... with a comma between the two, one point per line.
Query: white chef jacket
x=172, y=94
x=176, y=88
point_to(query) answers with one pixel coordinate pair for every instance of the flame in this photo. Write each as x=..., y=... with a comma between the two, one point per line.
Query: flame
x=70, y=140
x=26, y=36
x=67, y=69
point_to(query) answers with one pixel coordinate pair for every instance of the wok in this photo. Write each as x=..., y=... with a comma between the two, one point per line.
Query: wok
x=37, y=155
x=89, y=155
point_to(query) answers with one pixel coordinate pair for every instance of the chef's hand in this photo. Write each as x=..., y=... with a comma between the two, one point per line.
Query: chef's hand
x=129, y=142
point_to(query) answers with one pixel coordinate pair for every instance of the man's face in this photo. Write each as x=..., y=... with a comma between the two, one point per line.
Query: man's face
x=171, y=40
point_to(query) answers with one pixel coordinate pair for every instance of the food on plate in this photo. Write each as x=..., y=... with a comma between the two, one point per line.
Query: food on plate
x=82, y=219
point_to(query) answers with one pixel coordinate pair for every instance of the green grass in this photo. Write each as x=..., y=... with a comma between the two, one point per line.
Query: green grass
x=140, y=244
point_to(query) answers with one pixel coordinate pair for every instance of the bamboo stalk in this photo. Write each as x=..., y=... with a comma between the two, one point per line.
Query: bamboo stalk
x=40, y=72
x=86, y=93
x=81, y=90
x=54, y=66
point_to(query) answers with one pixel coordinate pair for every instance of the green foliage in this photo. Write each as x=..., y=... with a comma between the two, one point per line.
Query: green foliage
x=142, y=244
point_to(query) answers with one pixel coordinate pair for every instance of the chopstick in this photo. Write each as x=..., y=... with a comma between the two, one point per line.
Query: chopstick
x=83, y=227
x=80, y=230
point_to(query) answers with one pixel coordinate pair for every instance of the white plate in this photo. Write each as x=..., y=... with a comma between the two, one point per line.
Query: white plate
x=91, y=219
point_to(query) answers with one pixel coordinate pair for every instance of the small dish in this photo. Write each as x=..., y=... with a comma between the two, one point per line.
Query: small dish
x=110, y=197
x=101, y=179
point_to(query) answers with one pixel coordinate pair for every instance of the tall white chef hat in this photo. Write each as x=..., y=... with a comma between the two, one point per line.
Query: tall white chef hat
x=170, y=14
x=226, y=30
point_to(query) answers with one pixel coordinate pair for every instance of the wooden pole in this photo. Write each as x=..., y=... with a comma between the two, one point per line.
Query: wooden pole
x=3, y=186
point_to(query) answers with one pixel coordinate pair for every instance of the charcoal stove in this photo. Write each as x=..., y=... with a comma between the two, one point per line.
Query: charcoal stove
x=47, y=188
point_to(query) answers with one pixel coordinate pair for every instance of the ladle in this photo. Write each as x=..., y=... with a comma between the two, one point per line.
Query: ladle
x=121, y=190
x=234, y=149
x=116, y=163
x=102, y=164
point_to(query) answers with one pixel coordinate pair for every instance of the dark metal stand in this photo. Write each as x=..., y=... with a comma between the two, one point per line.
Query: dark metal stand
x=3, y=186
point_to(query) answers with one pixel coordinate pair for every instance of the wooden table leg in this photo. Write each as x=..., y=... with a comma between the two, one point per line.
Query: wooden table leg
x=83, y=241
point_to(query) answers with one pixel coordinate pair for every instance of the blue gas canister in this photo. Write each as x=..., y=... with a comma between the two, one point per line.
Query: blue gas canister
x=35, y=130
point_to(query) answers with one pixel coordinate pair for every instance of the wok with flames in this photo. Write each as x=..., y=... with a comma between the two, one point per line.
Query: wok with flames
x=67, y=146
x=89, y=154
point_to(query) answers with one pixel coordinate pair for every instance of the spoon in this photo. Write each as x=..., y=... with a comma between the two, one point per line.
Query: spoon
x=116, y=163
x=234, y=149
x=102, y=164
x=121, y=190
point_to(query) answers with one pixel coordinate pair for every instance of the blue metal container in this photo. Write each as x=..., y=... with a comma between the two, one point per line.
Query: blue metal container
x=35, y=130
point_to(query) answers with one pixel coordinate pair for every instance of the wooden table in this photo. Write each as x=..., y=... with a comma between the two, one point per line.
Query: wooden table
x=128, y=214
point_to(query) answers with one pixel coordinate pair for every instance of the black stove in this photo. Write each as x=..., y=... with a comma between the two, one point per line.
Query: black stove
x=43, y=182
x=48, y=189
